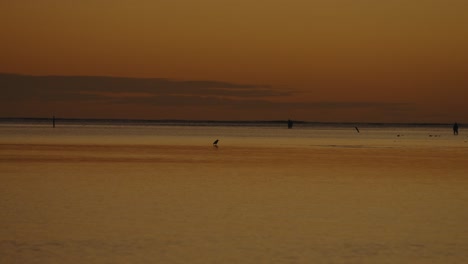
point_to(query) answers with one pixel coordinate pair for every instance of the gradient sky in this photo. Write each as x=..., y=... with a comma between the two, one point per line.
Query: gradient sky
x=325, y=60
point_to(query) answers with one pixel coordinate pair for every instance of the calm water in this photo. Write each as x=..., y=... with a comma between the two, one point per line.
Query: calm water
x=139, y=193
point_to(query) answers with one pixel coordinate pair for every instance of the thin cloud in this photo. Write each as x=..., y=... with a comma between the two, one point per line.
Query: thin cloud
x=159, y=92
x=118, y=94
x=85, y=87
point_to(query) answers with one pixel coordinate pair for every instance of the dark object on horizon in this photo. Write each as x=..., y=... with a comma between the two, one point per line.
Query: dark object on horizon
x=290, y=123
x=455, y=128
x=357, y=129
x=215, y=143
x=53, y=121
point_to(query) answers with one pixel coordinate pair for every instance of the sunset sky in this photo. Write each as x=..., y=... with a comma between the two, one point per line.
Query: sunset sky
x=324, y=60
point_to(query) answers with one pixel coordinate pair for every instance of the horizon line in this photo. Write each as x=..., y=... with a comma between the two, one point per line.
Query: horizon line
x=167, y=120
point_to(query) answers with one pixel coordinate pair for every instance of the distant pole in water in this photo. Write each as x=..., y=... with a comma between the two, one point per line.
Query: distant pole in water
x=357, y=129
x=53, y=121
x=290, y=123
x=455, y=128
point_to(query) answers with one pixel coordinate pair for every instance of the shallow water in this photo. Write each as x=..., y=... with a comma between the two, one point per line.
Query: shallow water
x=164, y=194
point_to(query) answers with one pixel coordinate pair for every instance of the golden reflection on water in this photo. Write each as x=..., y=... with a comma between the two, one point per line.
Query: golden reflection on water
x=242, y=202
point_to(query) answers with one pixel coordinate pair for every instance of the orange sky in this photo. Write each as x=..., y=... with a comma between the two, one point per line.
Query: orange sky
x=326, y=60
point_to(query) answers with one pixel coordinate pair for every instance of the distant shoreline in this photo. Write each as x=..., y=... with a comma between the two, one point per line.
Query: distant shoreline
x=181, y=122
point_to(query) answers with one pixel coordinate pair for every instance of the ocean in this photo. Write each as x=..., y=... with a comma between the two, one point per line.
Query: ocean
x=126, y=191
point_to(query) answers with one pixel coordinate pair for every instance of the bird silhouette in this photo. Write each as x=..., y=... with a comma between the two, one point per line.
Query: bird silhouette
x=216, y=142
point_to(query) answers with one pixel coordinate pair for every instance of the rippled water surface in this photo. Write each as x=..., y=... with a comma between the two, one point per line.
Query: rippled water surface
x=266, y=194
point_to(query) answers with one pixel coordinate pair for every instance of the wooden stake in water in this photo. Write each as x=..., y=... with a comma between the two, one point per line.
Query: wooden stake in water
x=290, y=123
x=53, y=121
